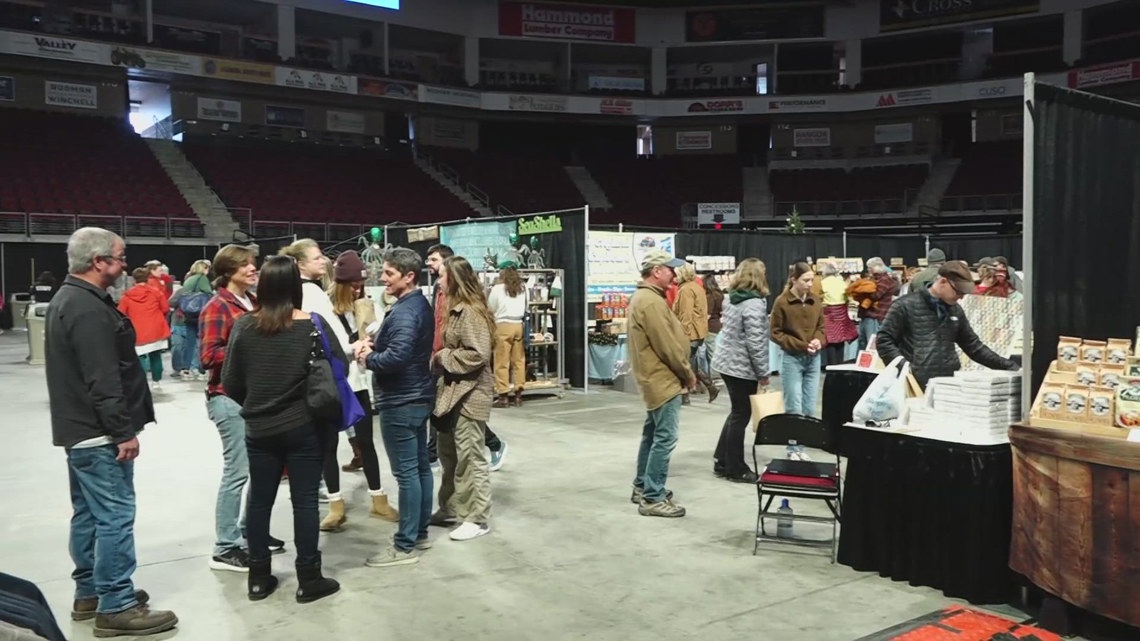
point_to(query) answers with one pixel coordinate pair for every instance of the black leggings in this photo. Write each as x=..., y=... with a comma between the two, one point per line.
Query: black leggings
x=367, y=447
x=300, y=450
x=730, y=448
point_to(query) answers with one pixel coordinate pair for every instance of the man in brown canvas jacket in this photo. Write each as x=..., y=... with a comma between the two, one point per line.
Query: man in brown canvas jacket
x=659, y=353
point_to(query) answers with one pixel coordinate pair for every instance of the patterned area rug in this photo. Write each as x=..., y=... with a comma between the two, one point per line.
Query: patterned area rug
x=957, y=623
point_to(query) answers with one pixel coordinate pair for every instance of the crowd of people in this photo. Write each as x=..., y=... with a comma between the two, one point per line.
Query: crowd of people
x=431, y=369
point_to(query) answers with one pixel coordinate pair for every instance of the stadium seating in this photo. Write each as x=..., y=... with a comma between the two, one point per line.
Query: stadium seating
x=305, y=182
x=653, y=191
x=866, y=190
x=57, y=163
x=521, y=182
x=988, y=178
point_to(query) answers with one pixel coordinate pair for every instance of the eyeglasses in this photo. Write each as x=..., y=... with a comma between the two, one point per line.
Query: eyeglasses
x=121, y=259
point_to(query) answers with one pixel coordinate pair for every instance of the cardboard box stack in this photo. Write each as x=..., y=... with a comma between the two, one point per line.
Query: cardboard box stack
x=980, y=402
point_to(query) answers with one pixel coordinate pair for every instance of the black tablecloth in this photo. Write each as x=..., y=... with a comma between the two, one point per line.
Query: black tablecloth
x=927, y=512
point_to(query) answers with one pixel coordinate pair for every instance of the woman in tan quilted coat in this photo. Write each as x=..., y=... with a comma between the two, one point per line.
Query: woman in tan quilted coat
x=463, y=402
x=692, y=309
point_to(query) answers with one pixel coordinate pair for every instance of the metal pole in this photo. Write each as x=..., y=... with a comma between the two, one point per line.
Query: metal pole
x=845, y=243
x=1027, y=174
x=928, y=244
x=586, y=305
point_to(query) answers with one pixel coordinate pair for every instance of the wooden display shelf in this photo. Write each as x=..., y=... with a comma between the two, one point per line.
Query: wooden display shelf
x=1076, y=512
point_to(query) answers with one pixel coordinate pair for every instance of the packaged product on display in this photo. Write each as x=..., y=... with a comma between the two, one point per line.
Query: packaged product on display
x=1092, y=382
x=1068, y=353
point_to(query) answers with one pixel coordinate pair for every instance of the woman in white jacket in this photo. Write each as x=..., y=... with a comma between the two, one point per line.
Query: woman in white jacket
x=345, y=328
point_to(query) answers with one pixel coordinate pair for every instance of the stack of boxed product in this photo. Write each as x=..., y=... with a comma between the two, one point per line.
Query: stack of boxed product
x=982, y=402
x=1093, y=383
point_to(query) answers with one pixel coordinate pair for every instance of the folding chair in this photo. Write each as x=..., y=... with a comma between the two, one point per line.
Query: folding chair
x=797, y=479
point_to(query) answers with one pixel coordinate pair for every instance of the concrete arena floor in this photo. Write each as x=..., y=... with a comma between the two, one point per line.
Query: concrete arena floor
x=568, y=558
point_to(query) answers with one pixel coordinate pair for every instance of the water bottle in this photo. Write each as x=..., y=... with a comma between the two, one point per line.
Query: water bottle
x=784, y=520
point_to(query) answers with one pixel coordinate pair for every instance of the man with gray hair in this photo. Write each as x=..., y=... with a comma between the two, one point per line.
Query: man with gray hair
x=99, y=403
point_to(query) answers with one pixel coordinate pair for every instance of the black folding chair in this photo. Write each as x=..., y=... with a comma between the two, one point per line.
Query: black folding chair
x=797, y=479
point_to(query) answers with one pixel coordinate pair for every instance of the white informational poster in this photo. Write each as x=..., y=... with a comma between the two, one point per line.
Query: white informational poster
x=813, y=137
x=894, y=134
x=615, y=260
x=218, y=109
x=694, y=140
x=712, y=213
x=348, y=122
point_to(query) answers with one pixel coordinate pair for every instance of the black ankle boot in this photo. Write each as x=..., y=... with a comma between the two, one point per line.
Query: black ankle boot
x=311, y=584
x=261, y=582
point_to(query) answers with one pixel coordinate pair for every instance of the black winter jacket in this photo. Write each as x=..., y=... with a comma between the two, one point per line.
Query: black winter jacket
x=96, y=384
x=914, y=330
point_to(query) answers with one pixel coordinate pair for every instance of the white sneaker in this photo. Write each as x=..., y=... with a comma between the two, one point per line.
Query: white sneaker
x=185, y=375
x=155, y=386
x=468, y=530
x=804, y=456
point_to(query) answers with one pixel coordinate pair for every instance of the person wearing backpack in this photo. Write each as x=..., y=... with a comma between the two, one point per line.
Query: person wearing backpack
x=187, y=304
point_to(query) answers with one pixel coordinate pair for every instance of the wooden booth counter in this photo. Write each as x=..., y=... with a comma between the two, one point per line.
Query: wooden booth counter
x=1076, y=515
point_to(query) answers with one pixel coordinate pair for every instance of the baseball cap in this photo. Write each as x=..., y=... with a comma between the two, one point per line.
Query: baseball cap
x=958, y=275
x=656, y=258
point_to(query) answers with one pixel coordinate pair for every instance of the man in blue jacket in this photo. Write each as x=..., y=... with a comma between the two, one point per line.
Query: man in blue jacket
x=400, y=359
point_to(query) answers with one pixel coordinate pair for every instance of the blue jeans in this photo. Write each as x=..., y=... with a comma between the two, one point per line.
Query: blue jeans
x=799, y=374
x=658, y=440
x=102, y=526
x=184, y=348
x=868, y=327
x=228, y=525
x=404, y=431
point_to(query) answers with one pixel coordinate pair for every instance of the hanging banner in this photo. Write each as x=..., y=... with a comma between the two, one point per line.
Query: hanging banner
x=479, y=242
x=314, y=80
x=1126, y=71
x=895, y=15
x=153, y=60
x=616, y=83
x=894, y=134
x=238, y=70
x=693, y=140
x=66, y=94
x=812, y=137
x=771, y=23
x=45, y=46
x=345, y=122
x=614, y=260
x=713, y=213
x=387, y=89
x=7, y=88
x=218, y=109
x=568, y=22
x=448, y=96
x=537, y=103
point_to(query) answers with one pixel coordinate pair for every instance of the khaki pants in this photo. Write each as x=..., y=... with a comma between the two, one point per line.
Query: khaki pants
x=509, y=353
x=465, y=490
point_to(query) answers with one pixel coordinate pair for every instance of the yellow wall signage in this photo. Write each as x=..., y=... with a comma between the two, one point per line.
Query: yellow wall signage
x=540, y=225
x=238, y=70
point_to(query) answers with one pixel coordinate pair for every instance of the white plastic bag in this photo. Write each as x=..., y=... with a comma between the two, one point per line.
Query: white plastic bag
x=885, y=399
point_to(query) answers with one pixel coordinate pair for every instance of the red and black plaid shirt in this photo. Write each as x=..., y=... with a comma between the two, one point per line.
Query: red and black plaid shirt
x=215, y=323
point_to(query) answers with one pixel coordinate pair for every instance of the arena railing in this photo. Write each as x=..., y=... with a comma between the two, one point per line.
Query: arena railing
x=322, y=232
x=34, y=224
x=998, y=203
x=852, y=208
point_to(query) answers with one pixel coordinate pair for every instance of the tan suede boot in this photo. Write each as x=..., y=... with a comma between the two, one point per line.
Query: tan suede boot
x=334, y=522
x=381, y=509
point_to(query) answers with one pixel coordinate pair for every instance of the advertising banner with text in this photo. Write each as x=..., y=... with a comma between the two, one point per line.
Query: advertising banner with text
x=693, y=140
x=812, y=137
x=895, y=15
x=54, y=47
x=614, y=260
x=68, y=94
x=449, y=96
x=218, y=109
x=314, y=80
x=761, y=23
x=1110, y=74
x=238, y=70
x=388, y=89
x=567, y=22
x=153, y=60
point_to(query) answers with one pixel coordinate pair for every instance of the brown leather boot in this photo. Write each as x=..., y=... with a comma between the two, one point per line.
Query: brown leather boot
x=710, y=386
x=501, y=401
x=355, y=464
x=136, y=622
x=518, y=398
x=85, y=609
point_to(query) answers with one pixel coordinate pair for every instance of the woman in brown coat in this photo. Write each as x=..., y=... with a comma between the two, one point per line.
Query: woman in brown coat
x=692, y=309
x=466, y=387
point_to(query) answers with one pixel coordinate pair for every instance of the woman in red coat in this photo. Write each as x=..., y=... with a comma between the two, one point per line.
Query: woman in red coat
x=148, y=307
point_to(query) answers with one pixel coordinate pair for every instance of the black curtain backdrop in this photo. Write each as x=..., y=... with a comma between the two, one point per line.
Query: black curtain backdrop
x=974, y=248
x=910, y=248
x=1086, y=220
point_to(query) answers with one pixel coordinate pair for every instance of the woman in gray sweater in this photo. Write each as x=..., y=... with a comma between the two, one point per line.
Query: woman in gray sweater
x=266, y=372
x=741, y=358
